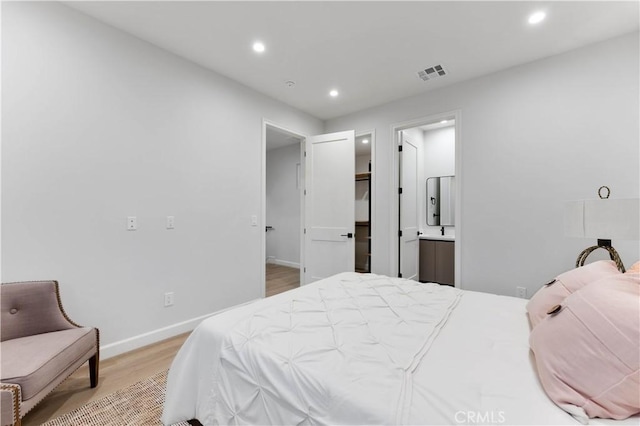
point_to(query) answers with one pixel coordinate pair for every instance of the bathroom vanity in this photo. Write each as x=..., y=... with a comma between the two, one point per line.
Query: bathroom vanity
x=437, y=259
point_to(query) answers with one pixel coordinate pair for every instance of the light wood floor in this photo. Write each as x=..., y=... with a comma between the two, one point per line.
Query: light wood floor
x=115, y=373
x=126, y=369
x=281, y=278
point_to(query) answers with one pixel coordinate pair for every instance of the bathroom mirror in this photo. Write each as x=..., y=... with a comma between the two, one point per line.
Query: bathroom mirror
x=441, y=200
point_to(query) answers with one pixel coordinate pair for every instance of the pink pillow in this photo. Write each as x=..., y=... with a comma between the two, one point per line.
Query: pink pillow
x=587, y=352
x=635, y=269
x=556, y=291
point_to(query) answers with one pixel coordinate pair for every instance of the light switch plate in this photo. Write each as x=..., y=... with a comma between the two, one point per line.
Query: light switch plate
x=171, y=222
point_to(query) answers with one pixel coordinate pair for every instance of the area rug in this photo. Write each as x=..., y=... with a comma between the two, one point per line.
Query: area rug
x=138, y=404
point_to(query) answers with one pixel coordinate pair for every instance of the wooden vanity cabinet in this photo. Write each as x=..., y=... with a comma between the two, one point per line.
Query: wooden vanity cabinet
x=437, y=261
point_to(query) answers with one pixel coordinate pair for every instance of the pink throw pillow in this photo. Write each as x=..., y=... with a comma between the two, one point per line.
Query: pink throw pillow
x=556, y=291
x=635, y=269
x=588, y=351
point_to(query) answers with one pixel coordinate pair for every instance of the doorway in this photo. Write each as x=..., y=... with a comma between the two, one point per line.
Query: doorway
x=325, y=189
x=363, y=205
x=283, y=186
x=426, y=182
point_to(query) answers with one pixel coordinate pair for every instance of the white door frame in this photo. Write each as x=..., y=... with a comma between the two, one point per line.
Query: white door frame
x=373, y=222
x=263, y=199
x=396, y=128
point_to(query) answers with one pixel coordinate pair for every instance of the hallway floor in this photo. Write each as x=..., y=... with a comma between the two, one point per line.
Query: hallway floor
x=281, y=278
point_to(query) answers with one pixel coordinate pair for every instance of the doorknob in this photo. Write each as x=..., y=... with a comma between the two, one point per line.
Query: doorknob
x=349, y=235
x=419, y=233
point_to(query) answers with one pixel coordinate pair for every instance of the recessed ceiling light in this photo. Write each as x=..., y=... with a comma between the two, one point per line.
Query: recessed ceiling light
x=537, y=17
x=333, y=93
x=365, y=140
x=258, y=47
x=443, y=121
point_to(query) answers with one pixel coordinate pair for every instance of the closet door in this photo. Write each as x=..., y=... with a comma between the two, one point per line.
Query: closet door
x=329, y=205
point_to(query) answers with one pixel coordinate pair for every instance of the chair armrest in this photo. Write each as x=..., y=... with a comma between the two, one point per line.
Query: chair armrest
x=10, y=399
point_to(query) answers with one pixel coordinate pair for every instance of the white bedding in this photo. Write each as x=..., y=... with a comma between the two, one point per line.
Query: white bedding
x=363, y=349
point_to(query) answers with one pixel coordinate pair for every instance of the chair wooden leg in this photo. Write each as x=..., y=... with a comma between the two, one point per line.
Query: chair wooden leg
x=94, y=367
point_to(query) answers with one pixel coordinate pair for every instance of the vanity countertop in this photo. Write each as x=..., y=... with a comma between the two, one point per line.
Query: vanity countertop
x=438, y=237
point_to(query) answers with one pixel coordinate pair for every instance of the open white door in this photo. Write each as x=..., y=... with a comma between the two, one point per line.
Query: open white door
x=409, y=240
x=329, y=205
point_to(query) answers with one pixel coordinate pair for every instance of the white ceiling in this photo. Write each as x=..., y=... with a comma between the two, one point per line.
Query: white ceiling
x=369, y=51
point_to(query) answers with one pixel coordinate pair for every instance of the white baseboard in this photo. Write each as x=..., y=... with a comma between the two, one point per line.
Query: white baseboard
x=154, y=336
x=135, y=342
x=285, y=263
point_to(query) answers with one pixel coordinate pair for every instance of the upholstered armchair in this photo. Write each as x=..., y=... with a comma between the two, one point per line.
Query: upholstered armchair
x=40, y=346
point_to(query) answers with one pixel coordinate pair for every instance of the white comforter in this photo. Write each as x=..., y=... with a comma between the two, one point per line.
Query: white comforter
x=362, y=349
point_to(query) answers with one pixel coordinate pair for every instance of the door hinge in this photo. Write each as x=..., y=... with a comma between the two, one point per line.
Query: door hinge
x=305, y=231
x=305, y=153
x=399, y=233
x=305, y=192
x=399, y=190
x=400, y=148
x=305, y=269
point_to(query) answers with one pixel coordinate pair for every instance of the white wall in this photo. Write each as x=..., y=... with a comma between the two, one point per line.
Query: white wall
x=283, y=206
x=99, y=125
x=439, y=160
x=532, y=137
x=439, y=152
x=362, y=163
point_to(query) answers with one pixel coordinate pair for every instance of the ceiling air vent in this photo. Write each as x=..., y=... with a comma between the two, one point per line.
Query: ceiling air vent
x=432, y=72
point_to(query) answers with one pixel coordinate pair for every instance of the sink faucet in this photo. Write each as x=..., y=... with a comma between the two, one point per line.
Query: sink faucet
x=442, y=231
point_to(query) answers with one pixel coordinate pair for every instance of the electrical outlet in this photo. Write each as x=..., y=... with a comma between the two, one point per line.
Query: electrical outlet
x=171, y=222
x=521, y=292
x=168, y=299
x=132, y=223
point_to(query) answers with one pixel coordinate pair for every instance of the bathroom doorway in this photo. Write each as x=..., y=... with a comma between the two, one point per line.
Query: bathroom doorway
x=427, y=176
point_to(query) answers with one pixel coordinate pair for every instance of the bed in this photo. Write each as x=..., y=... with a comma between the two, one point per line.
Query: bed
x=363, y=349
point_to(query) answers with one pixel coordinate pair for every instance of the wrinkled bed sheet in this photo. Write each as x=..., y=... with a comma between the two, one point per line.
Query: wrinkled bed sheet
x=363, y=349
